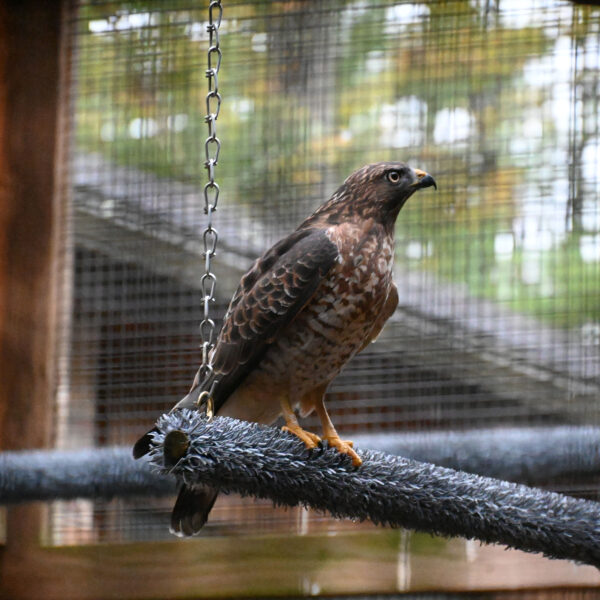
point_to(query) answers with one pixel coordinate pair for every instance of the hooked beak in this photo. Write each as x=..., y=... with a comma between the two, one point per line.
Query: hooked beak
x=424, y=180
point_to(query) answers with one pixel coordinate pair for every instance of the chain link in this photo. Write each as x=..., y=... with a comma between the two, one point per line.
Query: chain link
x=212, y=148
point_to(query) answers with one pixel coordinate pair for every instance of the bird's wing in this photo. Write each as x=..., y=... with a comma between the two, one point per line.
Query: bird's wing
x=269, y=297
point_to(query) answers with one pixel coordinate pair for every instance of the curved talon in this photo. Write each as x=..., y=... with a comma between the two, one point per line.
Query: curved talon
x=311, y=440
x=344, y=447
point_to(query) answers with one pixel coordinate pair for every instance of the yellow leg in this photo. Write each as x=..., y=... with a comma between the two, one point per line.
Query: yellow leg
x=332, y=437
x=311, y=440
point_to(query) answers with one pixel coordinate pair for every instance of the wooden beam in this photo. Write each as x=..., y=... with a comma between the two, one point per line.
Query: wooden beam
x=29, y=107
x=383, y=561
x=32, y=85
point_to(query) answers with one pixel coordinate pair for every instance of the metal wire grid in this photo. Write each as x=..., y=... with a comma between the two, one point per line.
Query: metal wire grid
x=498, y=273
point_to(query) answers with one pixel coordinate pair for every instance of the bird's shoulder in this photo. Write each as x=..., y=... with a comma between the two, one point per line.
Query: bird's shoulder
x=276, y=288
x=299, y=251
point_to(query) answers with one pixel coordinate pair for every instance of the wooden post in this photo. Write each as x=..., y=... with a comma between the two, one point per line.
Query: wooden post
x=32, y=87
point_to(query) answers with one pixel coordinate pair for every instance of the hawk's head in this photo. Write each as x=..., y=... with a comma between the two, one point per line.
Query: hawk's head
x=375, y=191
x=385, y=187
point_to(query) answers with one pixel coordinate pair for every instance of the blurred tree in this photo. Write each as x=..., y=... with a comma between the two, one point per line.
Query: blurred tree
x=314, y=89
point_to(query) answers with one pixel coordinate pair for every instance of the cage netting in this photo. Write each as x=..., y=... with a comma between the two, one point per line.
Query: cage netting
x=498, y=273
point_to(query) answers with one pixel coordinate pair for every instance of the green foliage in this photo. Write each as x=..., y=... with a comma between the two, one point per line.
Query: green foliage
x=299, y=103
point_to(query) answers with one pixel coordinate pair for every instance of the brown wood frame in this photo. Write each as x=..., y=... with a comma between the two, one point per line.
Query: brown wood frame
x=376, y=562
x=33, y=67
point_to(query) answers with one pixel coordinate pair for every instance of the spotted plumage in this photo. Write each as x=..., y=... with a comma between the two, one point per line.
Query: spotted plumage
x=302, y=311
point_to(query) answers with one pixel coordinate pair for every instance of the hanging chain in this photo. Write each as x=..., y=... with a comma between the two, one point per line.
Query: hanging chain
x=212, y=147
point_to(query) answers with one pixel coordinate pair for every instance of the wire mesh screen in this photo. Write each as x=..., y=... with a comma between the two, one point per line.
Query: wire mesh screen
x=498, y=272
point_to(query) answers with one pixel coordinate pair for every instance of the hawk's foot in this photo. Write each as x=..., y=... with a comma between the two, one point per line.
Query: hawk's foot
x=344, y=447
x=311, y=440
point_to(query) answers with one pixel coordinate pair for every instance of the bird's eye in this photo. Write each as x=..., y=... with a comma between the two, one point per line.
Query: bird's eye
x=393, y=176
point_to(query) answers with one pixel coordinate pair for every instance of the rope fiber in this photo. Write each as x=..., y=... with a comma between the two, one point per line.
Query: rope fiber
x=534, y=456
x=97, y=473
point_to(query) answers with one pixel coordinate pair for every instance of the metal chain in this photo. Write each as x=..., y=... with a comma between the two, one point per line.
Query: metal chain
x=212, y=147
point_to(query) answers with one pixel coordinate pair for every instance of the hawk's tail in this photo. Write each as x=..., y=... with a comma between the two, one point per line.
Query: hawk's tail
x=142, y=446
x=191, y=509
x=193, y=504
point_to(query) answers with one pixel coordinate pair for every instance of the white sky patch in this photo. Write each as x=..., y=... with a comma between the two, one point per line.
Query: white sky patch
x=531, y=271
x=376, y=61
x=197, y=31
x=589, y=248
x=142, y=128
x=526, y=134
x=555, y=158
x=108, y=208
x=543, y=205
x=559, y=106
x=418, y=250
x=533, y=128
x=134, y=21
x=591, y=58
x=121, y=23
x=353, y=12
x=590, y=216
x=551, y=69
x=552, y=213
x=400, y=16
x=590, y=160
x=401, y=123
x=562, y=58
x=259, y=42
x=402, y=138
x=535, y=233
x=346, y=135
x=520, y=145
x=560, y=192
x=108, y=132
x=452, y=125
x=542, y=241
x=177, y=123
x=504, y=245
x=516, y=14
x=100, y=26
x=242, y=107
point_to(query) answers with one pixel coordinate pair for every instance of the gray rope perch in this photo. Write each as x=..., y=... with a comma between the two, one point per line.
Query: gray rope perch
x=530, y=455
x=264, y=462
x=526, y=455
x=97, y=473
